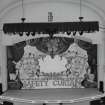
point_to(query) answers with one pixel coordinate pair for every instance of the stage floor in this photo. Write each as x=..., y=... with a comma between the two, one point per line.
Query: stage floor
x=51, y=95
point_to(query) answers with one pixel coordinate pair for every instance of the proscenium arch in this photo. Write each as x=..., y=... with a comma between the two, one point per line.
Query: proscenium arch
x=87, y=4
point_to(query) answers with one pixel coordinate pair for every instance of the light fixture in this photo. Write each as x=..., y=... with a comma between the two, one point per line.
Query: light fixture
x=74, y=33
x=27, y=33
x=80, y=17
x=21, y=33
x=80, y=33
x=14, y=33
x=68, y=33
x=33, y=33
x=51, y=35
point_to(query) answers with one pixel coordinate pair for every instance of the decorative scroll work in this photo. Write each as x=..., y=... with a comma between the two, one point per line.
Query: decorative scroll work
x=74, y=61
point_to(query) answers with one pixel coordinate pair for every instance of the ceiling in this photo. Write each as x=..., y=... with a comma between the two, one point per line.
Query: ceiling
x=99, y=4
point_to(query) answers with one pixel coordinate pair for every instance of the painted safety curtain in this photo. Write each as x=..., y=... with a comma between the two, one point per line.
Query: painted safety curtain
x=16, y=52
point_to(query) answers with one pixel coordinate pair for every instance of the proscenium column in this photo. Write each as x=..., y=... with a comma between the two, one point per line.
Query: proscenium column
x=4, y=67
x=3, y=64
x=104, y=61
x=101, y=60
